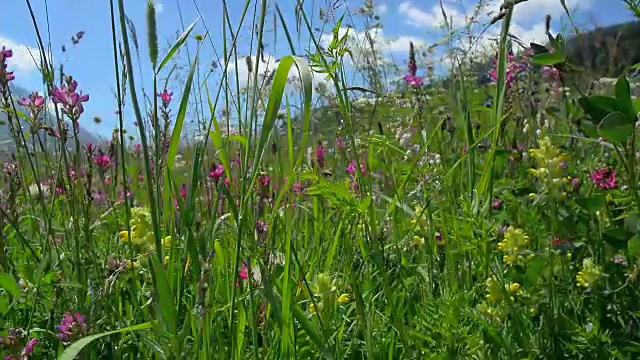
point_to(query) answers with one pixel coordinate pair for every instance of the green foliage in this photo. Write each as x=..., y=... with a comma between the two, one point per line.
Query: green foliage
x=328, y=219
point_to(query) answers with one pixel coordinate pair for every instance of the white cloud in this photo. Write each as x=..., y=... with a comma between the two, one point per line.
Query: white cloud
x=536, y=10
x=266, y=67
x=23, y=56
x=431, y=18
x=383, y=9
x=159, y=7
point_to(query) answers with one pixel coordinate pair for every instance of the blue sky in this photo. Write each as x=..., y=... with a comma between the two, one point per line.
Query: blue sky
x=91, y=61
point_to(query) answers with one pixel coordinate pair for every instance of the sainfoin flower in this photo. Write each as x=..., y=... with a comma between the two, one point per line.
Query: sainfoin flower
x=216, y=171
x=4, y=55
x=71, y=327
x=34, y=102
x=604, y=178
x=411, y=78
x=28, y=349
x=165, y=96
x=351, y=168
x=102, y=161
x=320, y=157
x=70, y=100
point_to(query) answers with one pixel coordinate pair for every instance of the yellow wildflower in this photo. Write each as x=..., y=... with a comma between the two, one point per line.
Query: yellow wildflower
x=312, y=308
x=417, y=240
x=344, y=298
x=589, y=275
x=514, y=241
x=494, y=290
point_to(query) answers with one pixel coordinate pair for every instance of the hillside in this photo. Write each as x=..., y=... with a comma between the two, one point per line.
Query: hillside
x=606, y=51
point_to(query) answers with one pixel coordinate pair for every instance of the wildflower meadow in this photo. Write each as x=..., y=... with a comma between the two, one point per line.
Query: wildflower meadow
x=472, y=197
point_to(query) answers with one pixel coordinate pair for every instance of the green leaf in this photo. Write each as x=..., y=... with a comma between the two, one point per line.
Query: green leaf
x=176, y=46
x=598, y=107
x=72, y=351
x=589, y=129
x=549, y=59
x=623, y=94
x=538, y=49
x=592, y=203
x=616, y=237
x=616, y=127
x=8, y=283
x=534, y=269
x=634, y=245
x=164, y=296
x=632, y=223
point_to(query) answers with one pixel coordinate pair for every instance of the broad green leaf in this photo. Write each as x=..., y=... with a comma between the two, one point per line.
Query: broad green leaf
x=634, y=245
x=548, y=59
x=538, y=49
x=72, y=351
x=616, y=237
x=176, y=46
x=598, y=107
x=592, y=203
x=8, y=283
x=616, y=127
x=623, y=94
x=589, y=128
x=164, y=296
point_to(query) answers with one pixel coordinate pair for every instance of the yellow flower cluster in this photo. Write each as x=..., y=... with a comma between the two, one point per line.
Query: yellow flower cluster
x=495, y=292
x=551, y=165
x=589, y=275
x=515, y=240
x=421, y=217
x=141, y=230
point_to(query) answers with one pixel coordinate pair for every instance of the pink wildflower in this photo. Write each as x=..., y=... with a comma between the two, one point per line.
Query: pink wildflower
x=216, y=171
x=70, y=100
x=604, y=178
x=320, y=157
x=28, y=349
x=166, y=97
x=34, y=102
x=71, y=327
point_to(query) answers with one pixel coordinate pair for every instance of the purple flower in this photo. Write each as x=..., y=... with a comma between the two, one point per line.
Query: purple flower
x=496, y=204
x=166, y=97
x=102, y=161
x=183, y=191
x=320, y=157
x=71, y=327
x=265, y=180
x=28, y=349
x=5, y=54
x=297, y=188
x=340, y=143
x=34, y=102
x=413, y=81
x=351, y=168
x=70, y=100
x=261, y=227
x=216, y=171
x=575, y=184
x=604, y=178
